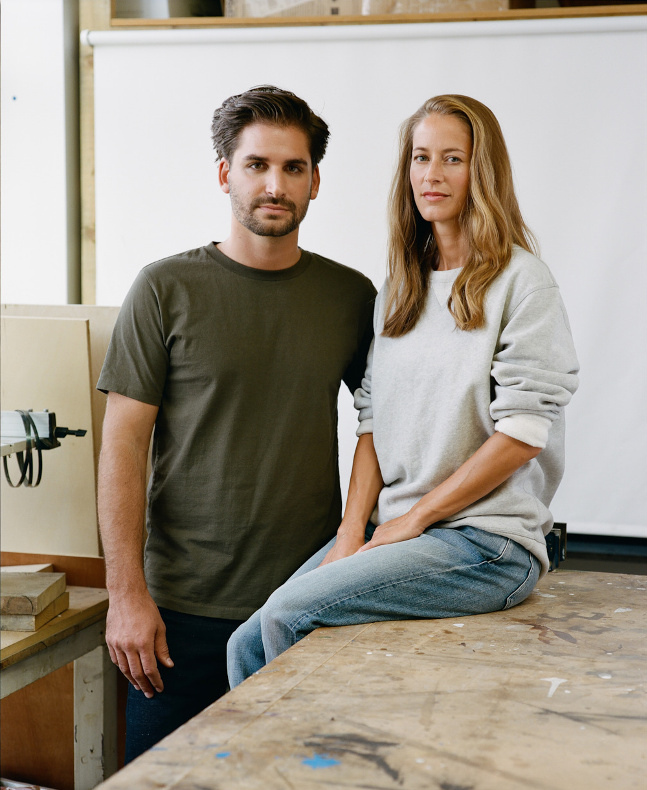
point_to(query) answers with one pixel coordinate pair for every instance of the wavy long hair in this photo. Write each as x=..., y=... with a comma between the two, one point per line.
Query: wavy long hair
x=490, y=221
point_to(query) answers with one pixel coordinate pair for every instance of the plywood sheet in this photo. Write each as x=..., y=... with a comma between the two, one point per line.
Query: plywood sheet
x=101, y=321
x=46, y=365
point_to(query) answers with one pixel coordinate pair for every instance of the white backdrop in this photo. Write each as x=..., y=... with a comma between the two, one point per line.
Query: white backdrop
x=571, y=96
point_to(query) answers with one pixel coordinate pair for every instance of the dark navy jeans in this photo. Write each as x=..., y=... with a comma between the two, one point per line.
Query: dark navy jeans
x=198, y=648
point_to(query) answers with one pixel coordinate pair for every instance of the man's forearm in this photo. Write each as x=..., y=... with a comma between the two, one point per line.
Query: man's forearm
x=122, y=508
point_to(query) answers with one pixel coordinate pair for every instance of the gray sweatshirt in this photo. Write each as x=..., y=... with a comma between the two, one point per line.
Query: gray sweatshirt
x=432, y=397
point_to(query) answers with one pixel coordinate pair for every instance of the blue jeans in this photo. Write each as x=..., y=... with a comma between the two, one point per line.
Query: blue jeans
x=197, y=646
x=442, y=573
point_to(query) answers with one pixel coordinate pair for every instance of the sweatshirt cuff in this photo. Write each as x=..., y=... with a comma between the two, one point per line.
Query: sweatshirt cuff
x=365, y=426
x=531, y=429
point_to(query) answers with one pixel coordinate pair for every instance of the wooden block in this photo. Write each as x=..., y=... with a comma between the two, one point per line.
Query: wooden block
x=32, y=622
x=29, y=593
x=42, y=567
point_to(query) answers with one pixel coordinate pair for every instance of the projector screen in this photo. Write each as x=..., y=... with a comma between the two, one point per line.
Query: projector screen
x=571, y=97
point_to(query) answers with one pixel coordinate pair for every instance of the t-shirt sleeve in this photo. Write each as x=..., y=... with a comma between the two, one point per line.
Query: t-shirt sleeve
x=137, y=359
x=535, y=367
x=355, y=370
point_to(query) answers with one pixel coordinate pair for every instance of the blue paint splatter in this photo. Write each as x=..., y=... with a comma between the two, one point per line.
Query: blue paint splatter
x=320, y=761
x=222, y=755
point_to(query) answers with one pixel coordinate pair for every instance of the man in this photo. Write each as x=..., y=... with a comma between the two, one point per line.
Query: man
x=231, y=355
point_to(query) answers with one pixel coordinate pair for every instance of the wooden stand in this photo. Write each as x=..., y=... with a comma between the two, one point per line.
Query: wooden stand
x=77, y=635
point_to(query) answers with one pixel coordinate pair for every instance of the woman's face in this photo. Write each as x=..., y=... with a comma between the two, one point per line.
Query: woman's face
x=440, y=168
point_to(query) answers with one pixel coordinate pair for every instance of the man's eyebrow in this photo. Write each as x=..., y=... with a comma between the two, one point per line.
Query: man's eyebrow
x=256, y=158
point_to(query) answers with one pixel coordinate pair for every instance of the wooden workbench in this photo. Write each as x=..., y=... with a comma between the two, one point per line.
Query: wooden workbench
x=78, y=635
x=550, y=694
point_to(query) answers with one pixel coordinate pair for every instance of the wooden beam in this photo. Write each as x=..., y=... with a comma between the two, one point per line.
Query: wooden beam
x=174, y=23
x=93, y=15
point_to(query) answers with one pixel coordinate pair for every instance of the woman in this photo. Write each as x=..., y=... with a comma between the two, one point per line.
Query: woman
x=461, y=432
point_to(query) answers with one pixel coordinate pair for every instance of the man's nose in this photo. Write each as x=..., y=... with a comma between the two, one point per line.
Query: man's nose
x=275, y=183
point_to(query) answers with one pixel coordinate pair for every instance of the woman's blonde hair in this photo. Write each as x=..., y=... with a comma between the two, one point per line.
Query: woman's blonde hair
x=491, y=221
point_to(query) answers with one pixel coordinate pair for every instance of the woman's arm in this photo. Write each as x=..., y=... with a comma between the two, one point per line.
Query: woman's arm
x=365, y=485
x=492, y=464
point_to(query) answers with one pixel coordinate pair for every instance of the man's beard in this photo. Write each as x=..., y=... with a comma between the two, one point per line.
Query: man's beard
x=268, y=226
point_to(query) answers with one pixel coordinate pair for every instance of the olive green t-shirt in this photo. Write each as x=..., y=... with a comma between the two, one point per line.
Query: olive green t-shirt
x=245, y=366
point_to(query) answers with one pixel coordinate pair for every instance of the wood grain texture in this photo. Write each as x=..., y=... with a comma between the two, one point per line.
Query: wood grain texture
x=43, y=712
x=79, y=571
x=37, y=729
x=93, y=15
x=87, y=606
x=549, y=695
x=32, y=622
x=29, y=593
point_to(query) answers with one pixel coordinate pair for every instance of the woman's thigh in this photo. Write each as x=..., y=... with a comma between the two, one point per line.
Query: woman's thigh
x=442, y=573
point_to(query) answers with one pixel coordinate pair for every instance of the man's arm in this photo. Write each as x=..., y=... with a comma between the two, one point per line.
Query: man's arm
x=135, y=632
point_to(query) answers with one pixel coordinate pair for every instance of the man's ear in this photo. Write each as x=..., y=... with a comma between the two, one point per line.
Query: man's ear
x=223, y=175
x=314, y=191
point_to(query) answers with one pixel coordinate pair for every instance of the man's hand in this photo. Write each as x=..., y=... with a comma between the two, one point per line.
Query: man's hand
x=136, y=637
x=345, y=546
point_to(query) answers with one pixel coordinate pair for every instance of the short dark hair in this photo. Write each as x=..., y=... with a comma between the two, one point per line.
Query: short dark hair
x=266, y=104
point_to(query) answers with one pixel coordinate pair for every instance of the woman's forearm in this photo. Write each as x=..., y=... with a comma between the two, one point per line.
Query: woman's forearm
x=492, y=464
x=364, y=488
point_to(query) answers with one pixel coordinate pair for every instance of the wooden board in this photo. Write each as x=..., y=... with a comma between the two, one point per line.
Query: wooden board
x=43, y=567
x=87, y=606
x=29, y=593
x=32, y=622
x=549, y=695
x=45, y=365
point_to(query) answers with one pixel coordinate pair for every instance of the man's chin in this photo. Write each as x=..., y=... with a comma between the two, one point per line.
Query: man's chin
x=274, y=228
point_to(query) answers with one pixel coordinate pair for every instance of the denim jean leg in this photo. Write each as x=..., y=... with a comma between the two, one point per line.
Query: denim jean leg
x=245, y=653
x=443, y=573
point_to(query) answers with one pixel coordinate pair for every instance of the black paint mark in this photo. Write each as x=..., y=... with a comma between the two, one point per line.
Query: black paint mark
x=365, y=749
x=452, y=786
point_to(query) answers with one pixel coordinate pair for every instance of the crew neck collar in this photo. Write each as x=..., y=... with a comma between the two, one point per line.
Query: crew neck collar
x=270, y=275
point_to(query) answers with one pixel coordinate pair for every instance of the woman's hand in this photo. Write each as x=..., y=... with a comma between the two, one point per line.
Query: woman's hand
x=398, y=529
x=345, y=546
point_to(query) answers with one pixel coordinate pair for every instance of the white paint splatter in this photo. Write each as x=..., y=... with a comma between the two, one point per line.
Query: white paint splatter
x=545, y=595
x=459, y=625
x=555, y=683
x=369, y=652
x=388, y=654
x=617, y=611
x=604, y=676
x=420, y=759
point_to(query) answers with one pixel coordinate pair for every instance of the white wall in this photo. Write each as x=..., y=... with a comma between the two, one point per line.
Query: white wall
x=39, y=151
x=571, y=96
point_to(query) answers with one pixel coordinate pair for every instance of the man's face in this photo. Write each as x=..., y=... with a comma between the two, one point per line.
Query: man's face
x=270, y=179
